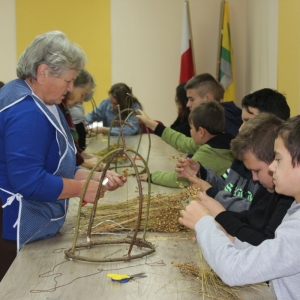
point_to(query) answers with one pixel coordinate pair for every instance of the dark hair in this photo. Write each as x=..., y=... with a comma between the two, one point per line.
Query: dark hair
x=257, y=136
x=182, y=99
x=1, y=84
x=206, y=84
x=123, y=94
x=203, y=77
x=267, y=100
x=289, y=131
x=209, y=115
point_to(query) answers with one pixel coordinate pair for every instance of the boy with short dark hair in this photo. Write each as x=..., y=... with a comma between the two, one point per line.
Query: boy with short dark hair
x=254, y=145
x=202, y=116
x=235, y=189
x=273, y=102
x=203, y=88
x=276, y=260
x=207, y=124
x=206, y=87
x=196, y=96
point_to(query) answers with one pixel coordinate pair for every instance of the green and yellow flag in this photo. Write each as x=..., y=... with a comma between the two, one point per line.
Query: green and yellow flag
x=226, y=72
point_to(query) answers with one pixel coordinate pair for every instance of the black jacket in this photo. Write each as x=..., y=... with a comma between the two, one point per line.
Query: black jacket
x=261, y=220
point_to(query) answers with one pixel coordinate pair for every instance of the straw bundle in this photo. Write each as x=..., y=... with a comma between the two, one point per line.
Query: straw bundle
x=210, y=284
x=119, y=158
x=163, y=214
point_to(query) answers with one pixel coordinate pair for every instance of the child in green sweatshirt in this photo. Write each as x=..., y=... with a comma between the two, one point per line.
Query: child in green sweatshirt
x=208, y=142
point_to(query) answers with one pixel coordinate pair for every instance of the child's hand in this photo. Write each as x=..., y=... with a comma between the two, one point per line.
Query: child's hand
x=211, y=204
x=142, y=117
x=199, y=183
x=143, y=177
x=192, y=214
x=103, y=130
x=187, y=167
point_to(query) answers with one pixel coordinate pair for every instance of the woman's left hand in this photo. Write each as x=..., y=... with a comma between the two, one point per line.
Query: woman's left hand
x=114, y=180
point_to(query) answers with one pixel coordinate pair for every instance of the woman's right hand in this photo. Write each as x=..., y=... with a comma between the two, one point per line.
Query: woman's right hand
x=91, y=191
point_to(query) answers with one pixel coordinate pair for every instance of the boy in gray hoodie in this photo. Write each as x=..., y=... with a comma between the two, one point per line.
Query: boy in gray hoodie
x=276, y=260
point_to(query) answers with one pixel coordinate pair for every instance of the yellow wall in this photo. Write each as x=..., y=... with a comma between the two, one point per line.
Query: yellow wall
x=289, y=53
x=86, y=23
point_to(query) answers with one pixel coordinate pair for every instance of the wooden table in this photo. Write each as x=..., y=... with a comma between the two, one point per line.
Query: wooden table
x=66, y=279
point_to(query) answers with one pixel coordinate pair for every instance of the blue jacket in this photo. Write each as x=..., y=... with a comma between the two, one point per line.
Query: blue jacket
x=104, y=112
x=36, y=152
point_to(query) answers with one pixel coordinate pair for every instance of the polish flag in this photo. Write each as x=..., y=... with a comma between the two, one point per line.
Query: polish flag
x=187, y=65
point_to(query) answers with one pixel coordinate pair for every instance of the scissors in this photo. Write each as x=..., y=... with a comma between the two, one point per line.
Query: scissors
x=122, y=278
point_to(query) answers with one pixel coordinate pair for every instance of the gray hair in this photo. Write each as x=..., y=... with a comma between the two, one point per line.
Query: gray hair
x=83, y=78
x=54, y=50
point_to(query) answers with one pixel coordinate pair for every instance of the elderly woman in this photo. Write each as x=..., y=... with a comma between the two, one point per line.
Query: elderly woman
x=37, y=152
x=119, y=94
x=85, y=82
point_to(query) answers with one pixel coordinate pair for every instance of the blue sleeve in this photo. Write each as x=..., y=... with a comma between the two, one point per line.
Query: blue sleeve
x=30, y=149
x=98, y=114
x=134, y=128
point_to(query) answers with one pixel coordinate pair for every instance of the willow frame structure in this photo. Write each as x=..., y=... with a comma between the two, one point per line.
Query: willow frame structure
x=117, y=119
x=131, y=240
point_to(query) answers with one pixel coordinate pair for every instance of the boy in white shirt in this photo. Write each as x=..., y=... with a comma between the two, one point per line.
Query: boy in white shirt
x=276, y=260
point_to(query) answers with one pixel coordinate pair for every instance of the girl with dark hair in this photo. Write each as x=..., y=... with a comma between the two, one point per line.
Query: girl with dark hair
x=119, y=94
x=181, y=124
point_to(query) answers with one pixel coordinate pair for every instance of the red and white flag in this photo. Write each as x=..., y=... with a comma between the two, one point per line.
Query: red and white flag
x=187, y=64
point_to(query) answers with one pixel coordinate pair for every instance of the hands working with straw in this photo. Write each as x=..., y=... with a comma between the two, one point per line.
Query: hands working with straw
x=188, y=168
x=198, y=209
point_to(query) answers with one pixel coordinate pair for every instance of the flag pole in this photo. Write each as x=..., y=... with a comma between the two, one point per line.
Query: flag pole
x=191, y=32
x=220, y=39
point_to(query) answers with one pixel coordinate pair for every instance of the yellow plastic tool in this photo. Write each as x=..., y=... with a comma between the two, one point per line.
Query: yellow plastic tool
x=124, y=277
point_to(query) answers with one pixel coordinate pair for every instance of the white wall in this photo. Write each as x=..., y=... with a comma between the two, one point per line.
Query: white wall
x=205, y=15
x=146, y=39
x=146, y=43
x=262, y=44
x=8, y=48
